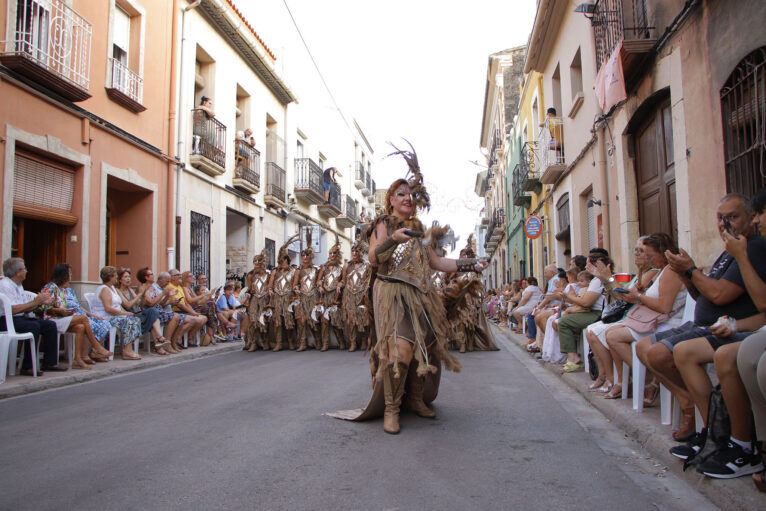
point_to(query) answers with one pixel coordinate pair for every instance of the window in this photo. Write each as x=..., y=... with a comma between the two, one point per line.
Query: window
x=575, y=82
x=270, y=247
x=743, y=99
x=243, y=110
x=200, y=244
x=125, y=69
x=556, y=89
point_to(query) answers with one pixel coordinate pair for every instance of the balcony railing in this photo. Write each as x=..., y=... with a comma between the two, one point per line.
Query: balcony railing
x=550, y=148
x=350, y=208
x=125, y=87
x=530, y=177
x=519, y=197
x=208, y=143
x=276, y=180
x=359, y=180
x=50, y=43
x=622, y=20
x=247, y=172
x=308, y=181
x=348, y=216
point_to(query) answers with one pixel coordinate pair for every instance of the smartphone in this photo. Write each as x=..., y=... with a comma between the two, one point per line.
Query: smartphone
x=414, y=234
x=620, y=290
x=727, y=225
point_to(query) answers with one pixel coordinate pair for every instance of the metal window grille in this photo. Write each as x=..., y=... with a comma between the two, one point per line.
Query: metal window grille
x=744, y=124
x=200, y=244
x=270, y=246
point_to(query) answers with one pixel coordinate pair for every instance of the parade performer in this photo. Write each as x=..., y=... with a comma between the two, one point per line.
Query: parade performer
x=305, y=288
x=410, y=319
x=331, y=288
x=281, y=291
x=470, y=323
x=258, y=288
x=356, y=302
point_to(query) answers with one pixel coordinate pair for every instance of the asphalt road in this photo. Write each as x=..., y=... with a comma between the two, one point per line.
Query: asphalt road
x=246, y=431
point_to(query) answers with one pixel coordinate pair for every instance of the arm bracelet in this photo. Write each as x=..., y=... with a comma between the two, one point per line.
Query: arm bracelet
x=466, y=264
x=384, y=250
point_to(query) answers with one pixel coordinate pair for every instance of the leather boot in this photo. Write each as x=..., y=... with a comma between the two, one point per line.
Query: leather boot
x=471, y=341
x=302, y=336
x=393, y=389
x=414, y=396
x=325, y=336
x=278, y=331
x=462, y=346
x=291, y=336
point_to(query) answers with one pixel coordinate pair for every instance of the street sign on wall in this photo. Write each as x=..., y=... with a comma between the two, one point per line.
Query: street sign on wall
x=533, y=227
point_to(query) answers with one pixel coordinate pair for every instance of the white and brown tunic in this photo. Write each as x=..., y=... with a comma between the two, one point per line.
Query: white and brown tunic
x=282, y=287
x=309, y=293
x=331, y=277
x=355, y=295
x=259, y=298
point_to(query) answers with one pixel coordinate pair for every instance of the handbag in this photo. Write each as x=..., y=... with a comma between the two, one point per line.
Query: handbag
x=644, y=320
x=615, y=311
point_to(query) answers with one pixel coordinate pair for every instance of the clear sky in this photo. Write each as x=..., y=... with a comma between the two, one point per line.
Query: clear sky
x=415, y=69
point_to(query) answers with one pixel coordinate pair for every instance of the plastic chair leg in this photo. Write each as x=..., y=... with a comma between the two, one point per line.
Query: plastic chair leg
x=639, y=380
x=584, y=352
x=4, y=351
x=666, y=404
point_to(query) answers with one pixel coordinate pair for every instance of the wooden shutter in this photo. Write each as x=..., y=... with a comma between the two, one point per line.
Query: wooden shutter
x=43, y=190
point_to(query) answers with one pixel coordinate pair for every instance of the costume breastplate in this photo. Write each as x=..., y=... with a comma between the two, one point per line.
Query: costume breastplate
x=307, y=279
x=438, y=279
x=331, y=277
x=408, y=264
x=283, y=283
x=358, y=278
x=258, y=285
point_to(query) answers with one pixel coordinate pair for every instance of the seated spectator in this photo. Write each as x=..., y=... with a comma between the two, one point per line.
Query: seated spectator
x=551, y=348
x=135, y=303
x=44, y=330
x=157, y=295
x=545, y=308
x=734, y=351
x=109, y=305
x=572, y=324
x=201, y=300
x=718, y=293
x=530, y=296
x=195, y=320
x=99, y=326
x=228, y=315
x=68, y=321
x=596, y=332
x=664, y=299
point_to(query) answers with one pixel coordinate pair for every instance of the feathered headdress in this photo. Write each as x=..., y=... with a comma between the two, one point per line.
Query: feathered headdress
x=468, y=250
x=439, y=237
x=335, y=249
x=414, y=177
x=283, y=248
x=261, y=258
x=308, y=251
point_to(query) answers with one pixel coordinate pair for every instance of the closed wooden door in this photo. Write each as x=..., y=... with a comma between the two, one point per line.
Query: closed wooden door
x=655, y=173
x=42, y=245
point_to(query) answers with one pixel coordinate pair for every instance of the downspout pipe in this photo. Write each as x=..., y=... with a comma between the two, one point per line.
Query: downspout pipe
x=169, y=226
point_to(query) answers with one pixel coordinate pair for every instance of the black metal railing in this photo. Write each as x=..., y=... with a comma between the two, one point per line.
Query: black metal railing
x=374, y=188
x=359, y=172
x=209, y=137
x=308, y=176
x=349, y=208
x=334, y=198
x=276, y=181
x=368, y=180
x=615, y=20
x=516, y=182
x=528, y=161
x=248, y=163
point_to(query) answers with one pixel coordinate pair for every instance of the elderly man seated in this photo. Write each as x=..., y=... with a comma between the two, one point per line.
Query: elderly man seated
x=44, y=330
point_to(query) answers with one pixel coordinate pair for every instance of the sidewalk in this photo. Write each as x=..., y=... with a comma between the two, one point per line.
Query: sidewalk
x=20, y=385
x=646, y=429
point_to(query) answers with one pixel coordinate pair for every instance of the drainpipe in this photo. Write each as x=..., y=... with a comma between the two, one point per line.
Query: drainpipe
x=182, y=116
x=603, y=167
x=169, y=206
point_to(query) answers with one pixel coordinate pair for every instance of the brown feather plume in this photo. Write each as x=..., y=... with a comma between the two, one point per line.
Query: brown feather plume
x=283, y=248
x=420, y=196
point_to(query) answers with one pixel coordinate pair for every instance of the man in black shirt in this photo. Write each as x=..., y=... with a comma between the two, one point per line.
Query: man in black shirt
x=328, y=178
x=719, y=293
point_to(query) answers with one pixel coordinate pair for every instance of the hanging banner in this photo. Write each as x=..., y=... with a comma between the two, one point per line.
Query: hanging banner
x=533, y=227
x=610, y=81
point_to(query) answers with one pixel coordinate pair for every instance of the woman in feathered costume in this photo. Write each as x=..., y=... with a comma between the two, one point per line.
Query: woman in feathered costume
x=281, y=292
x=410, y=319
x=258, y=289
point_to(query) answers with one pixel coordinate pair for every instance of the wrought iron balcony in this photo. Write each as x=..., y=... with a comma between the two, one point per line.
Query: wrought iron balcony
x=276, y=183
x=247, y=172
x=348, y=217
x=627, y=21
x=360, y=181
x=529, y=176
x=332, y=207
x=208, y=143
x=125, y=87
x=497, y=224
x=550, y=149
x=308, y=181
x=520, y=198
x=50, y=44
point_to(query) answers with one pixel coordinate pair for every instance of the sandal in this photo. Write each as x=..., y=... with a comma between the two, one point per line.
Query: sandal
x=161, y=342
x=593, y=387
x=572, y=367
x=159, y=351
x=131, y=357
x=615, y=393
x=605, y=388
x=654, y=395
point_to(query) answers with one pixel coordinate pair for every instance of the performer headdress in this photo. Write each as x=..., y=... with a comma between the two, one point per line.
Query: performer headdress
x=283, y=249
x=414, y=179
x=261, y=258
x=468, y=250
x=308, y=251
x=335, y=249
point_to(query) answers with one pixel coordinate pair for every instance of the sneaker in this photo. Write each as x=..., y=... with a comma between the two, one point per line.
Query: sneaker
x=730, y=462
x=691, y=447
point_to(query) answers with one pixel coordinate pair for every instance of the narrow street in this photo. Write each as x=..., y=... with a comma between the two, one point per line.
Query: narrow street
x=243, y=430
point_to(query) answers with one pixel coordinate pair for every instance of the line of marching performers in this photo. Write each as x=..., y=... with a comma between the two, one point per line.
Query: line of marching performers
x=287, y=303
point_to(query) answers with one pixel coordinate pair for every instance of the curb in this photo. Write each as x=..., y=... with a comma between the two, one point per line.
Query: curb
x=646, y=429
x=15, y=386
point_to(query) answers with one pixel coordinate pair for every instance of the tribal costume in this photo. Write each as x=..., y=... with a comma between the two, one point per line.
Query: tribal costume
x=356, y=302
x=308, y=295
x=332, y=288
x=258, y=288
x=281, y=286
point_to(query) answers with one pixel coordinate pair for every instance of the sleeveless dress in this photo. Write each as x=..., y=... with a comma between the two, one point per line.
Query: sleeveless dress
x=129, y=327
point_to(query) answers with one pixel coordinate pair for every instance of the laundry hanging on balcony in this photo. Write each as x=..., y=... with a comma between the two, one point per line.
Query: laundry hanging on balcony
x=610, y=81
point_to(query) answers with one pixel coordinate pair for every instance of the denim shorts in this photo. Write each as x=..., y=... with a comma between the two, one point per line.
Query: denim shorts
x=326, y=186
x=679, y=334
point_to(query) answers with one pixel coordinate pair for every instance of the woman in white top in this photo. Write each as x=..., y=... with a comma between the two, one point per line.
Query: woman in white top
x=109, y=305
x=530, y=297
x=596, y=332
x=666, y=295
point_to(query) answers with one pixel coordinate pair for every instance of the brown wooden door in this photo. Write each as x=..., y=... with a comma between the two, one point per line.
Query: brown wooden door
x=655, y=173
x=42, y=245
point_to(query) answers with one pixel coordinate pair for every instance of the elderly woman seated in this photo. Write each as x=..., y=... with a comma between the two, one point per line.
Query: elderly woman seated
x=201, y=300
x=69, y=319
x=530, y=297
x=109, y=305
x=134, y=301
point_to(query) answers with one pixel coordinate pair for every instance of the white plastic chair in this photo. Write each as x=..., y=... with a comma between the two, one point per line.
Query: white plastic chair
x=13, y=340
x=89, y=298
x=5, y=344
